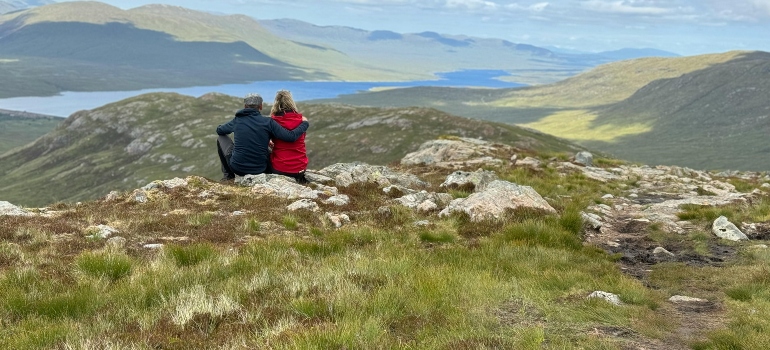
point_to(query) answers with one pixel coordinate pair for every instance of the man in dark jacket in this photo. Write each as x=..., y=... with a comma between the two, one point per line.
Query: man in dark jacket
x=249, y=154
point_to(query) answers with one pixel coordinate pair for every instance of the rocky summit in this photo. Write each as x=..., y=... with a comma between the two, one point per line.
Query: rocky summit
x=662, y=257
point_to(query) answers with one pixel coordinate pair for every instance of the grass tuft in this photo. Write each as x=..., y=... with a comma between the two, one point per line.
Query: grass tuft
x=110, y=266
x=190, y=255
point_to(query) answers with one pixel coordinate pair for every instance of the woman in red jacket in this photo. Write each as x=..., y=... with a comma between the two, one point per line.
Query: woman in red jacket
x=288, y=158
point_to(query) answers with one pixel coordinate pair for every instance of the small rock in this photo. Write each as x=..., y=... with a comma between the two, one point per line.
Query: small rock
x=384, y=211
x=153, y=246
x=633, y=195
x=238, y=213
x=766, y=185
x=608, y=196
x=112, y=196
x=338, y=200
x=685, y=299
x=422, y=223
x=427, y=206
x=303, y=204
x=662, y=251
x=727, y=230
x=584, y=158
x=613, y=299
x=139, y=196
x=101, y=231
x=529, y=162
x=338, y=220
x=592, y=220
x=479, y=179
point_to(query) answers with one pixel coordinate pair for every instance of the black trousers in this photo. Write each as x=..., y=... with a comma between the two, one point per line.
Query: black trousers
x=225, y=150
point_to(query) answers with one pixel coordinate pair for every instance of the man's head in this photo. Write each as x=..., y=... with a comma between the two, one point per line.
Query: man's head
x=253, y=101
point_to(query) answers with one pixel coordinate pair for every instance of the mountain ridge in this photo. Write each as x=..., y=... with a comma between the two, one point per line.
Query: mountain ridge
x=135, y=141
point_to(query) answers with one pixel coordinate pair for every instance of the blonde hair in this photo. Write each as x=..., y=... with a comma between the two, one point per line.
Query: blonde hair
x=283, y=103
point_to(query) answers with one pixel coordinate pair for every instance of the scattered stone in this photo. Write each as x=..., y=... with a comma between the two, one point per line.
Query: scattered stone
x=661, y=251
x=633, y=195
x=101, y=231
x=112, y=196
x=327, y=190
x=480, y=179
x=766, y=185
x=316, y=177
x=139, y=196
x=613, y=299
x=496, y=199
x=284, y=187
x=427, y=206
x=685, y=299
x=422, y=223
x=346, y=174
x=608, y=196
x=414, y=200
x=338, y=200
x=338, y=220
x=727, y=230
x=585, y=158
x=9, y=209
x=593, y=220
x=153, y=246
x=529, y=162
x=238, y=213
x=384, y=211
x=303, y=204
x=395, y=190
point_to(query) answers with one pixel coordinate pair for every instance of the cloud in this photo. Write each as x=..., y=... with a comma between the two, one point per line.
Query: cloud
x=626, y=7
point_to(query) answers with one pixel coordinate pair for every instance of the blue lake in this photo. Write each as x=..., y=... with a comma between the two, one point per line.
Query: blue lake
x=69, y=102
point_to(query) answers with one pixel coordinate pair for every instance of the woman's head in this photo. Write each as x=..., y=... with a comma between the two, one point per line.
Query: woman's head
x=283, y=103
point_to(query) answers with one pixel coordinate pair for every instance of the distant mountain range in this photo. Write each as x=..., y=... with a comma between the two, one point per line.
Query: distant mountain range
x=132, y=142
x=91, y=46
x=15, y=5
x=705, y=112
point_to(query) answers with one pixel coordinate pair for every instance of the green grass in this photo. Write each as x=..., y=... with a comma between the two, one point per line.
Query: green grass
x=110, y=266
x=190, y=255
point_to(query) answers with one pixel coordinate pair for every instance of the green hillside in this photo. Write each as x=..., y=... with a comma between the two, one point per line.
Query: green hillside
x=132, y=142
x=88, y=46
x=17, y=129
x=701, y=111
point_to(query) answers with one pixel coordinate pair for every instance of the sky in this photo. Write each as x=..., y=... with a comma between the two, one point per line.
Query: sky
x=687, y=27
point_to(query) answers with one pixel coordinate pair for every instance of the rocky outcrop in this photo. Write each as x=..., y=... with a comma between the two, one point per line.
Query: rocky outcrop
x=462, y=179
x=497, y=198
x=584, y=158
x=456, y=153
x=425, y=201
x=9, y=209
x=346, y=174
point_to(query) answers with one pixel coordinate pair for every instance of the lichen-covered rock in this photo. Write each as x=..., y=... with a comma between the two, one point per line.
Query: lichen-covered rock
x=611, y=298
x=346, y=174
x=9, y=209
x=338, y=200
x=479, y=179
x=496, y=199
x=284, y=187
x=173, y=183
x=338, y=220
x=584, y=158
x=529, y=162
x=101, y=231
x=416, y=199
x=451, y=153
x=303, y=204
x=725, y=229
x=139, y=196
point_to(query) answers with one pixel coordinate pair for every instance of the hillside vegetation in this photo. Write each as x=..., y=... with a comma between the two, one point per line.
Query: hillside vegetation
x=19, y=129
x=189, y=263
x=703, y=111
x=132, y=142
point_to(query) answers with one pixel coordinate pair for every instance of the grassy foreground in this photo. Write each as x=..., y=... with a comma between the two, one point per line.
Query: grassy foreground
x=264, y=278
